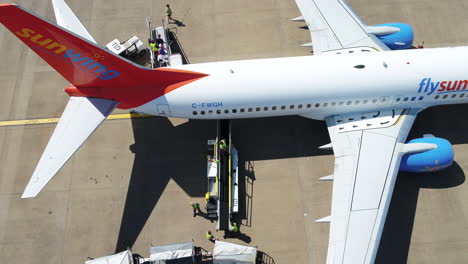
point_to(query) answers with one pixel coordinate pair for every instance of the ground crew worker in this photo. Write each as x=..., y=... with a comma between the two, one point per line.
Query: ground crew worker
x=154, y=48
x=234, y=227
x=196, y=208
x=233, y=231
x=169, y=13
x=159, y=40
x=162, y=56
x=223, y=147
x=210, y=237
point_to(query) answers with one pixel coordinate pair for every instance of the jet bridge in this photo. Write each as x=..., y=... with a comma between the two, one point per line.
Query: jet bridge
x=222, y=166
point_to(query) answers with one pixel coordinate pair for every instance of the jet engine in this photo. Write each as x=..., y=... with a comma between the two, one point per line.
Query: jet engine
x=396, y=36
x=435, y=159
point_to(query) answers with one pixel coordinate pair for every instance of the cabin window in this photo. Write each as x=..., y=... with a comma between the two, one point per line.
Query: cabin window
x=421, y=97
x=202, y=112
x=317, y=105
x=325, y=104
x=299, y=106
x=234, y=111
x=436, y=97
x=398, y=100
x=309, y=106
x=365, y=101
x=333, y=103
x=445, y=96
x=273, y=108
x=462, y=95
x=283, y=107
x=360, y=66
x=374, y=101
x=356, y=102
x=194, y=112
x=406, y=99
x=210, y=112
x=218, y=112
x=226, y=111
x=265, y=108
x=242, y=110
x=341, y=103
x=348, y=103
x=413, y=98
x=454, y=95
x=291, y=107
x=257, y=109
x=250, y=109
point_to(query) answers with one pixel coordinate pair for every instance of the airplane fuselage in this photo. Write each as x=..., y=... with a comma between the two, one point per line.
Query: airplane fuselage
x=319, y=86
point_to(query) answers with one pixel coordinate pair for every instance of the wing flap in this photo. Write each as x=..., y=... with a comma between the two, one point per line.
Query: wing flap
x=372, y=172
x=81, y=117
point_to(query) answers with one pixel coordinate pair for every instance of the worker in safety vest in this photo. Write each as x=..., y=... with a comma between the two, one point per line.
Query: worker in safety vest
x=234, y=227
x=233, y=231
x=196, y=208
x=169, y=13
x=223, y=147
x=154, y=48
x=210, y=237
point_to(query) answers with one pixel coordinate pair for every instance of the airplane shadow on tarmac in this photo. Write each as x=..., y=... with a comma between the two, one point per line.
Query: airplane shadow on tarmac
x=164, y=152
x=447, y=122
x=396, y=236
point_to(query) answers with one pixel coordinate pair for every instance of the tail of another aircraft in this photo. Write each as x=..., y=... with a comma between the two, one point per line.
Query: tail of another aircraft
x=101, y=81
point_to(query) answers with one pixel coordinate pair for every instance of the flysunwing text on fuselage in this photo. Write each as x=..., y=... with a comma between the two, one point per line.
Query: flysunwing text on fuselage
x=429, y=87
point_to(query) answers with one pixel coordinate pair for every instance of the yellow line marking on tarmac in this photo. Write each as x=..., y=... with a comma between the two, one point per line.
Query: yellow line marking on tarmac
x=56, y=120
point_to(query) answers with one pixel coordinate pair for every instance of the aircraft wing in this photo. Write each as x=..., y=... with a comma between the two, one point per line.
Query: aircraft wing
x=67, y=19
x=368, y=148
x=334, y=25
x=81, y=117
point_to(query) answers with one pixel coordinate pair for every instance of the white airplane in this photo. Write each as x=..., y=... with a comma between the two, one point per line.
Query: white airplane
x=368, y=95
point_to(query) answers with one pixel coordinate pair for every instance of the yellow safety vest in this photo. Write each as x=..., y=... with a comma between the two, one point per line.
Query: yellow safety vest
x=222, y=144
x=209, y=236
x=153, y=46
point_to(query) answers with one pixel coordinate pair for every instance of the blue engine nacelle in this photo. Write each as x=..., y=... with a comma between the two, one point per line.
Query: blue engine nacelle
x=402, y=39
x=428, y=161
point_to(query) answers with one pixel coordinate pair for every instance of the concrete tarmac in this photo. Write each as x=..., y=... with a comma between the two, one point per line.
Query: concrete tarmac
x=131, y=183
